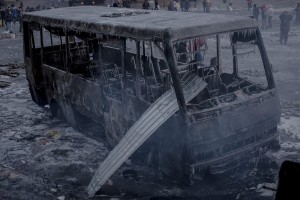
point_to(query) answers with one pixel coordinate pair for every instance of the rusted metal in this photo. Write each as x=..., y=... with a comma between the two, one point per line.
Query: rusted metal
x=148, y=123
x=214, y=125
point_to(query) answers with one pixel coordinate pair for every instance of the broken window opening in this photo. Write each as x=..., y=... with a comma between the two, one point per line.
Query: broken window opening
x=222, y=61
x=54, y=46
x=142, y=75
x=71, y=52
x=82, y=55
x=153, y=81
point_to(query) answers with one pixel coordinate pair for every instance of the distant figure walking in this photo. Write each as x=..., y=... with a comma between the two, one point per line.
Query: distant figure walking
x=171, y=6
x=187, y=5
x=285, y=21
x=115, y=4
x=204, y=4
x=270, y=16
x=2, y=12
x=208, y=5
x=230, y=8
x=21, y=5
x=297, y=12
x=182, y=3
x=20, y=14
x=156, y=5
x=8, y=19
x=14, y=14
x=249, y=3
x=146, y=5
x=264, y=16
x=255, y=12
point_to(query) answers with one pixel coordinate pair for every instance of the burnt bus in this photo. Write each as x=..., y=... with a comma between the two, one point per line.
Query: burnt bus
x=193, y=92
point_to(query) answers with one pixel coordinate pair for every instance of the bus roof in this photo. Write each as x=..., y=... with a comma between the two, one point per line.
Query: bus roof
x=137, y=23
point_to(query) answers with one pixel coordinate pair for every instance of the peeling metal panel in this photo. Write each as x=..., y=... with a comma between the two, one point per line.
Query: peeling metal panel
x=150, y=121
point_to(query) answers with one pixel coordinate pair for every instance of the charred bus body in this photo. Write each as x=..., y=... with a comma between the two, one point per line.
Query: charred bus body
x=196, y=90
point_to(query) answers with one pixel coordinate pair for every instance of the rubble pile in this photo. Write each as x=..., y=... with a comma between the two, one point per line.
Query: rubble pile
x=7, y=72
x=7, y=34
x=290, y=109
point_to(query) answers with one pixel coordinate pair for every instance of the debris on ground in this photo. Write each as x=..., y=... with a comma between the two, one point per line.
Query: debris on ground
x=7, y=72
x=7, y=34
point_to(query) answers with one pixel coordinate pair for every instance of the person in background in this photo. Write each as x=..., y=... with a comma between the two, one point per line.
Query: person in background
x=208, y=5
x=249, y=3
x=264, y=16
x=297, y=12
x=176, y=6
x=285, y=23
x=270, y=16
x=204, y=4
x=181, y=49
x=146, y=5
x=197, y=44
x=8, y=19
x=171, y=6
x=116, y=4
x=2, y=12
x=156, y=5
x=182, y=5
x=230, y=8
x=187, y=5
x=19, y=18
x=14, y=13
x=21, y=5
x=255, y=12
x=124, y=4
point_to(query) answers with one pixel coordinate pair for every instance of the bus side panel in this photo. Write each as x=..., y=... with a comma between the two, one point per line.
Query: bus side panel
x=84, y=96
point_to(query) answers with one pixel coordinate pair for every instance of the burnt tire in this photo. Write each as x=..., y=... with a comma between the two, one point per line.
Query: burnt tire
x=56, y=110
x=38, y=96
x=32, y=93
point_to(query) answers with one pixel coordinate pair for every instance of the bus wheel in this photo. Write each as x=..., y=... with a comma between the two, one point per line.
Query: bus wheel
x=37, y=96
x=81, y=121
x=32, y=93
x=56, y=110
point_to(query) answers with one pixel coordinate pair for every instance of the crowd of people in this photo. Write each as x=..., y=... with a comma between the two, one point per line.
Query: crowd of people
x=206, y=6
x=266, y=13
x=183, y=5
x=124, y=4
x=11, y=15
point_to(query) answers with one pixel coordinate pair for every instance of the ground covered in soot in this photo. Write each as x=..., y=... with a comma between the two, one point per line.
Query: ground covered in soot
x=44, y=158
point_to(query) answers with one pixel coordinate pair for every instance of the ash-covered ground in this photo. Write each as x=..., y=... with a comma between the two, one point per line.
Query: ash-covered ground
x=42, y=157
